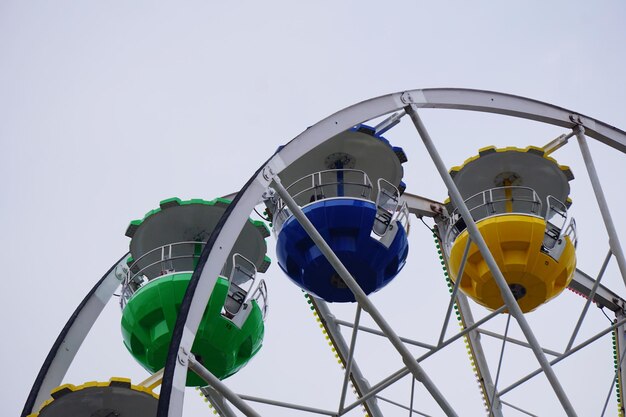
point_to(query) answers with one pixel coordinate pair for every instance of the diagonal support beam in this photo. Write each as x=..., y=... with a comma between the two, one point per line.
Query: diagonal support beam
x=331, y=326
x=220, y=387
x=616, y=247
x=474, y=233
x=217, y=401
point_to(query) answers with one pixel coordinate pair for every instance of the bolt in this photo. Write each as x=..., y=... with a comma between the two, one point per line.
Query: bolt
x=406, y=98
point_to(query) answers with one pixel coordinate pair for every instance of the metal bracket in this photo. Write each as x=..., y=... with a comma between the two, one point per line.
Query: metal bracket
x=575, y=118
x=183, y=356
x=268, y=173
x=406, y=98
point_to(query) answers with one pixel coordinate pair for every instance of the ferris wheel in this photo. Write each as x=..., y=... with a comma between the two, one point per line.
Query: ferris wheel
x=345, y=215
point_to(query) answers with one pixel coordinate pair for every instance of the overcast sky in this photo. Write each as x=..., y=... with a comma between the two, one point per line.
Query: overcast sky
x=106, y=108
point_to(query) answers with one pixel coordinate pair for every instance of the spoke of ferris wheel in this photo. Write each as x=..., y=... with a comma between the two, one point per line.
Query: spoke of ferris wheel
x=217, y=401
x=516, y=342
x=592, y=294
x=473, y=231
x=401, y=373
x=220, y=387
x=454, y=292
x=608, y=397
x=379, y=333
x=291, y=406
x=495, y=384
x=478, y=354
x=331, y=326
x=614, y=243
x=476, y=351
x=397, y=404
x=570, y=352
x=362, y=299
x=346, y=379
x=521, y=410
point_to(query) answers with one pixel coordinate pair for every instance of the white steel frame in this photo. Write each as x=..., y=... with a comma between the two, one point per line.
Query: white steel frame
x=223, y=238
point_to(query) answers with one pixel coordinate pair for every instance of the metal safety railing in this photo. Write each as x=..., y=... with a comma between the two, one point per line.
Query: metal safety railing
x=321, y=185
x=165, y=259
x=514, y=200
x=492, y=202
x=157, y=262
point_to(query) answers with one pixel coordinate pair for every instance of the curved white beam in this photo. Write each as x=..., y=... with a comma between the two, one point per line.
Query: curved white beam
x=72, y=335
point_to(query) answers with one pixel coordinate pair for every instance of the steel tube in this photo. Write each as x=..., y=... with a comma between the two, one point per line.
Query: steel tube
x=401, y=373
x=614, y=243
x=474, y=233
x=362, y=299
x=355, y=331
x=516, y=342
x=590, y=297
x=479, y=355
x=220, y=387
x=359, y=381
x=620, y=347
x=397, y=404
x=519, y=409
x=218, y=402
x=379, y=333
x=288, y=405
x=454, y=290
x=563, y=356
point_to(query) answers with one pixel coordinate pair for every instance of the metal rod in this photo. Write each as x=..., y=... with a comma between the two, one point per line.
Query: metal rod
x=516, y=342
x=346, y=378
x=218, y=402
x=519, y=409
x=557, y=143
x=379, y=333
x=220, y=387
x=475, y=345
x=412, y=397
x=288, y=405
x=563, y=356
x=589, y=299
x=401, y=373
x=474, y=233
x=620, y=339
x=495, y=384
x=153, y=380
x=409, y=409
x=614, y=243
x=389, y=122
x=479, y=355
x=334, y=332
x=608, y=397
x=457, y=283
x=362, y=299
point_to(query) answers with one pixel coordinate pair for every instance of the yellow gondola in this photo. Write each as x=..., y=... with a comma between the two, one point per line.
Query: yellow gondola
x=519, y=199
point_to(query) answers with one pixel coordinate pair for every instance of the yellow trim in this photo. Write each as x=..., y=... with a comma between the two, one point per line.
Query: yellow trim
x=532, y=149
x=92, y=384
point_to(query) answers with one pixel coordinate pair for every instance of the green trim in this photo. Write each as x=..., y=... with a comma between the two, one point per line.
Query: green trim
x=265, y=265
x=175, y=201
x=262, y=227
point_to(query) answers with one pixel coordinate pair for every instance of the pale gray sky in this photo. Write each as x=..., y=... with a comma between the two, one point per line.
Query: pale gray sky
x=109, y=107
